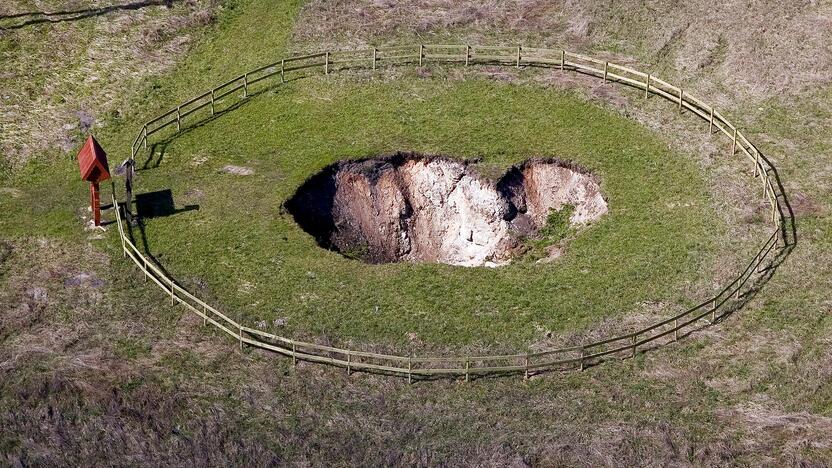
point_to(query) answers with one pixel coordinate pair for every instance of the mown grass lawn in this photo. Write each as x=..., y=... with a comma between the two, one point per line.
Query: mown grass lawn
x=243, y=251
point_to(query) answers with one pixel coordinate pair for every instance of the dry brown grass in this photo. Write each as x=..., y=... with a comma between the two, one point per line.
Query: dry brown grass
x=759, y=49
x=60, y=80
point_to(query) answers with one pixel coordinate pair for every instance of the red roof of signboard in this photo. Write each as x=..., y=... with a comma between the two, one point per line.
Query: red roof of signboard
x=92, y=161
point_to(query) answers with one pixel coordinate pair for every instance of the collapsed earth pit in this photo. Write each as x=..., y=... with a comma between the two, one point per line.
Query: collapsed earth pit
x=415, y=208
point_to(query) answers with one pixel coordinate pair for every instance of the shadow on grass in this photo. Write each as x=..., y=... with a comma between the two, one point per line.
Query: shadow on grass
x=149, y=205
x=39, y=17
x=157, y=150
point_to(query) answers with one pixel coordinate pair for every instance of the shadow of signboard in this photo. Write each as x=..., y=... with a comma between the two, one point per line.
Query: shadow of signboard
x=158, y=204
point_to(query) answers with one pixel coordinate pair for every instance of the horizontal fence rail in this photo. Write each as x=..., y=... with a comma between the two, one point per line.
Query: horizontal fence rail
x=573, y=357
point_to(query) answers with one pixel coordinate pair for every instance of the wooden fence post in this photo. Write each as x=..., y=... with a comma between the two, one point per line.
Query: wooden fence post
x=765, y=185
x=178, y=118
x=583, y=352
x=349, y=363
x=212, y=102
x=734, y=143
x=711, y=125
x=634, y=339
x=145, y=137
x=283, y=71
x=681, y=99
x=467, y=54
x=326, y=64
x=294, y=355
x=518, y=56
x=676, y=330
x=240, y=328
x=562, y=59
x=606, y=65
x=467, y=366
x=713, y=312
x=526, y=365
x=756, y=162
x=375, y=51
x=647, y=87
x=145, y=269
x=245, y=85
x=421, y=53
x=409, y=370
x=204, y=315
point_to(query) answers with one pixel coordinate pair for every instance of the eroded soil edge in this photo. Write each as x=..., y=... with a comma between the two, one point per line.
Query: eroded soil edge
x=409, y=207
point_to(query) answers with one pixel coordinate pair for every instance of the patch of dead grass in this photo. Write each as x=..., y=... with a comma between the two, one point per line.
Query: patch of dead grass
x=62, y=80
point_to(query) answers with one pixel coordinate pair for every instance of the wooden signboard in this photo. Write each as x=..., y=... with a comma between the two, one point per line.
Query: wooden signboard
x=92, y=162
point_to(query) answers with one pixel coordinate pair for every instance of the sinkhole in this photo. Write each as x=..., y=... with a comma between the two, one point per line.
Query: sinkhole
x=416, y=208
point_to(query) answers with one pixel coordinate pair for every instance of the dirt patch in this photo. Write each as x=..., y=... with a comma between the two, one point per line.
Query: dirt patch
x=237, y=170
x=409, y=207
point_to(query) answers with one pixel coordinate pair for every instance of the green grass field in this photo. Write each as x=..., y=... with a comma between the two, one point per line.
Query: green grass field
x=250, y=256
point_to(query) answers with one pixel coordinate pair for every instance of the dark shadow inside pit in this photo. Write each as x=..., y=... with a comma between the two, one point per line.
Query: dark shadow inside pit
x=418, y=208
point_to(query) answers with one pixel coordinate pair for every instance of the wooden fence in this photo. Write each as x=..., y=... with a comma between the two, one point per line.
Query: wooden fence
x=573, y=357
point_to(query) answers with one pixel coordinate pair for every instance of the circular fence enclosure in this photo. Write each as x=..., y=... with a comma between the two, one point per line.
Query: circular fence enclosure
x=722, y=302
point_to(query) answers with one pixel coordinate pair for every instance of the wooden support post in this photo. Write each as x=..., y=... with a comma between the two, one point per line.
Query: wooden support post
x=145, y=269
x=647, y=87
x=467, y=54
x=145, y=136
x=526, y=365
x=467, y=366
x=737, y=296
x=283, y=71
x=676, y=330
x=212, y=102
x=681, y=99
x=294, y=355
x=409, y=370
x=562, y=59
x=178, y=118
x=711, y=125
x=583, y=353
x=734, y=143
x=245, y=85
x=518, y=56
x=326, y=64
x=120, y=231
x=633, y=339
x=713, y=312
x=349, y=363
x=606, y=65
x=204, y=316
x=421, y=53
x=240, y=328
x=765, y=184
x=756, y=162
x=375, y=53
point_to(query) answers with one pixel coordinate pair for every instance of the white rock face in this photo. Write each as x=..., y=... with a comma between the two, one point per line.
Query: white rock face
x=430, y=209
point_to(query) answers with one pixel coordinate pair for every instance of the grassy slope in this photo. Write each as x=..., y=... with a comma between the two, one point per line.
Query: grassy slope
x=167, y=391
